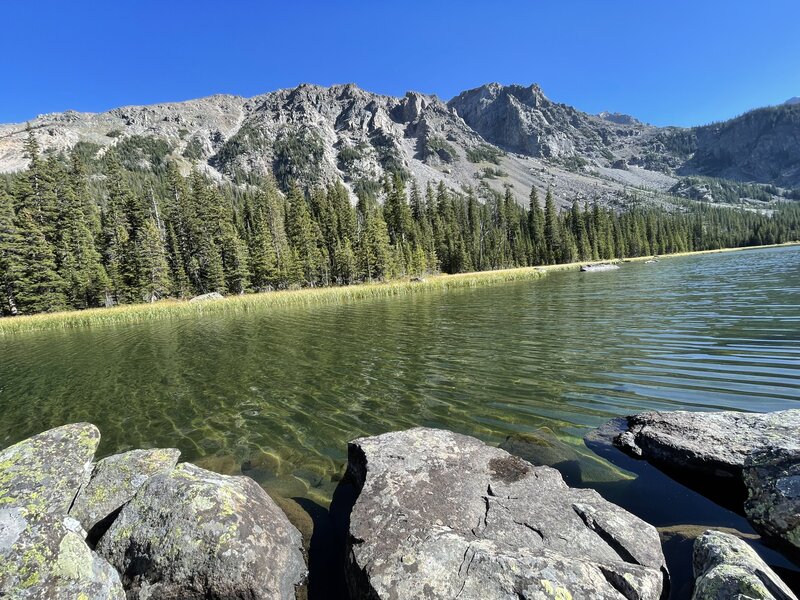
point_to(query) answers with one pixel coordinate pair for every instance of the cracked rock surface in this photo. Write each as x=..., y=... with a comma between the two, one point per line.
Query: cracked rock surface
x=46, y=557
x=749, y=460
x=114, y=482
x=42, y=474
x=442, y=515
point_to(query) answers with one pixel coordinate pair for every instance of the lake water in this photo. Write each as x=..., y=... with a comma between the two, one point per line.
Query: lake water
x=277, y=394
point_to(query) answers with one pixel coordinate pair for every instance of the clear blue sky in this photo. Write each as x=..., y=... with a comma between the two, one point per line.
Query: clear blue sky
x=665, y=61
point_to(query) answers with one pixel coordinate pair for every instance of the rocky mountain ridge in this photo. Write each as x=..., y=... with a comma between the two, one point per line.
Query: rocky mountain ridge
x=494, y=135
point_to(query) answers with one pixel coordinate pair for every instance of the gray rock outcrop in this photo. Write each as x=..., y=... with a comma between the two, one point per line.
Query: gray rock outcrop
x=746, y=461
x=726, y=568
x=207, y=297
x=195, y=534
x=44, y=557
x=772, y=477
x=708, y=443
x=42, y=474
x=115, y=480
x=441, y=515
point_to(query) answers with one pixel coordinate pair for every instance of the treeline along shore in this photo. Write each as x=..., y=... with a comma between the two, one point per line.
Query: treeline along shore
x=78, y=232
x=176, y=308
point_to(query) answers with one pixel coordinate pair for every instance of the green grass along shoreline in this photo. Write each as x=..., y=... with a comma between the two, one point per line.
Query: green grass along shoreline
x=167, y=309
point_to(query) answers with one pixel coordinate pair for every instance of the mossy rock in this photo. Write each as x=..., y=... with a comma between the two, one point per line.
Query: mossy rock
x=577, y=465
x=114, y=482
x=298, y=517
x=726, y=567
x=193, y=533
x=42, y=557
x=42, y=474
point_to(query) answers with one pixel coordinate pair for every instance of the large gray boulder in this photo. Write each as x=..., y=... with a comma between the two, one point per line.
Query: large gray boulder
x=210, y=296
x=194, y=534
x=115, y=480
x=707, y=443
x=42, y=474
x=442, y=515
x=726, y=568
x=46, y=557
x=772, y=477
x=740, y=460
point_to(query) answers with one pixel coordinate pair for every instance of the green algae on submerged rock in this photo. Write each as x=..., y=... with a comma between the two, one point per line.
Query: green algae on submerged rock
x=578, y=466
x=114, y=482
x=197, y=534
x=42, y=474
x=44, y=557
x=727, y=567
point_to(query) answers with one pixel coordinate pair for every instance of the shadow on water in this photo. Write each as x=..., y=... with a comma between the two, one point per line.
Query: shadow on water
x=327, y=553
x=681, y=514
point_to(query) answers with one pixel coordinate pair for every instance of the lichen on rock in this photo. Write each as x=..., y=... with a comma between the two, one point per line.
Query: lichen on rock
x=42, y=557
x=727, y=567
x=192, y=533
x=114, y=482
x=42, y=474
x=440, y=515
x=772, y=477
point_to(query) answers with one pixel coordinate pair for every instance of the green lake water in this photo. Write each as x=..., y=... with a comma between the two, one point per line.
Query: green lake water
x=276, y=394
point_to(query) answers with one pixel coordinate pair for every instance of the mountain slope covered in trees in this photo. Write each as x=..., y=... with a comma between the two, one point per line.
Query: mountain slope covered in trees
x=79, y=230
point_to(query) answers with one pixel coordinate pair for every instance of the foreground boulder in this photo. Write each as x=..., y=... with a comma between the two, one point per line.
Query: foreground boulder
x=708, y=443
x=726, y=567
x=741, y=460
x=195, y=534
x=42, y=474
x=46, y=557
x=441, y=515
x=115, y=480
x=772, y=477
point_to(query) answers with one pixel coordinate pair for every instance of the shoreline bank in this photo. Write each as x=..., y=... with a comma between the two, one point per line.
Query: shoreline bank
x=715, y=251
x=169, y=309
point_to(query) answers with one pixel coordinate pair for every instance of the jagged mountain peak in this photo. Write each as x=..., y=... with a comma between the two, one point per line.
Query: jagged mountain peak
x=495, y=135
x=619, y=118
x=792, y=101
x=531, y=94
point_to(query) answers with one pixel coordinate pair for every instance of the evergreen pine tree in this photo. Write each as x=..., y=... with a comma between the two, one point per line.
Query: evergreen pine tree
x=38, y=288
x=304, y=236
x=10, y=243
x=86, y=283
x=552, y=231
x=536, y=229
x=154, y=271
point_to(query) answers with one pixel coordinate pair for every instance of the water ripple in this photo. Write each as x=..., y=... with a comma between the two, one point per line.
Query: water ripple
x=278, y=394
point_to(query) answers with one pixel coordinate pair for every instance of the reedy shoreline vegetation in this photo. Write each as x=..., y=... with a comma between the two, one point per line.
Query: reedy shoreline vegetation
x=166, y=309
x=177, y=309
